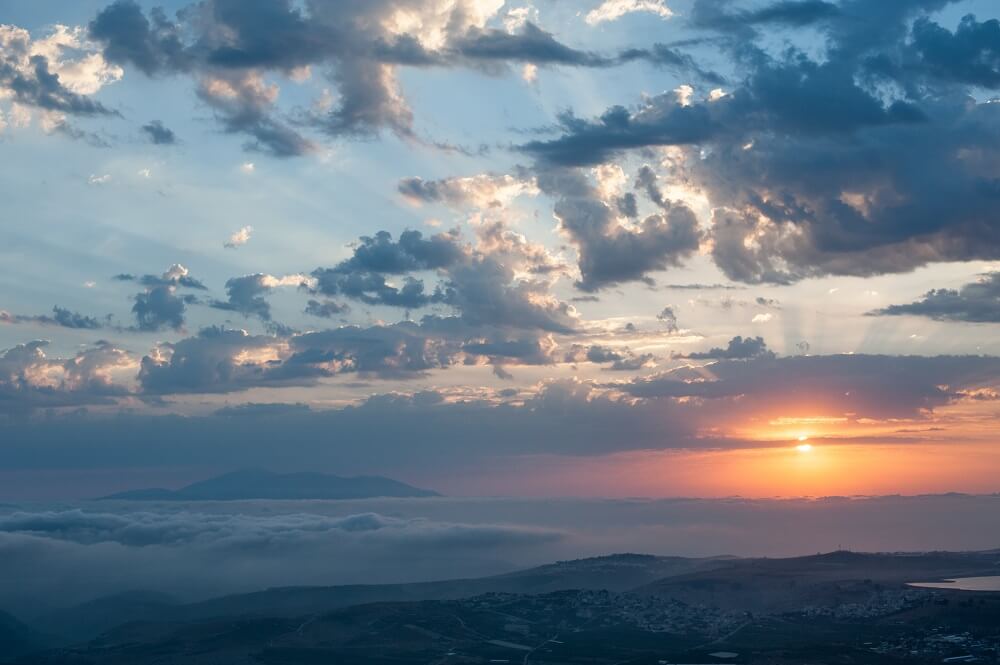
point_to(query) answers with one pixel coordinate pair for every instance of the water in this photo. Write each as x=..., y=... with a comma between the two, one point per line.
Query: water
x=989, y=583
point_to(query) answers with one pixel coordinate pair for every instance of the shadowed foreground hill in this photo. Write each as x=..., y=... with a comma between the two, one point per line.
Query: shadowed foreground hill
x=843, y=608
x=617, y=572
x=774, y=585
x=258, y=484
x=17, y=638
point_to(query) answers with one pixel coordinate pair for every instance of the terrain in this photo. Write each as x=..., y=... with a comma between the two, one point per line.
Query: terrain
x=840, y=607
x=259, y=484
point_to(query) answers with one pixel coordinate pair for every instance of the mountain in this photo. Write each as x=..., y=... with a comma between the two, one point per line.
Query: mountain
x=259, y=484
x=17, y=638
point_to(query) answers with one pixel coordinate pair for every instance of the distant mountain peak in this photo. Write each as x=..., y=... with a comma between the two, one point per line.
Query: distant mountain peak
x=249, y=484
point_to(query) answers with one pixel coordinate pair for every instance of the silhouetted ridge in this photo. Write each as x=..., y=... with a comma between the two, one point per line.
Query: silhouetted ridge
x=258, y=484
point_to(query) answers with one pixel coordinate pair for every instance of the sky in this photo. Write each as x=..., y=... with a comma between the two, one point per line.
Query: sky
x=613, y=248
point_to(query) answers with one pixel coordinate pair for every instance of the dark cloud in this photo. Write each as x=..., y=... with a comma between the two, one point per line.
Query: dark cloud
x=153, y=45
x=617, y=359
x=976, y=302
x=854, y=386
x=176, y=275
x=158, y=134
x=739, y=348
x=669, y=319
x=160, y=305
x=870, y=158
x=221, y=360
x=481, y=284
x=244, y=104
x=373, y=288
x=970, y=54
x=609, y=252
x=29, y=80
x=246, y=294
x=669, y=57
x=411, y=252
x=230, y=44
x=60, y=317
x=326, y=309
x=792, y=13
x=259, y=410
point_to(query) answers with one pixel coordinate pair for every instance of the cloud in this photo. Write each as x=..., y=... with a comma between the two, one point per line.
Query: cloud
x=246, y=294
x=618, y=359
x=158, y=134
x=482, y=191
x=788, y=13
x=239, y=238
x=855, y=386
x=802, y=187
x=610, y=252
x=486, y=284
x=739, y=348
x=160, y=306
x=29, y=379
x=612, y=10
x=669, y=319
x=976, y=302
x=326, y=309
x=970, y=54
x=177, y=549
x=230, y=48
x=42, y=73
x=61, y=317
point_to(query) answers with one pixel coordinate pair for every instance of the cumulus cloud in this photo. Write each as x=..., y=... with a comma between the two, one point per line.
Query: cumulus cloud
x=739, y=348
x=57, y=74
x=611, y=252
x=29, y=379
x=802, y=187
x=232, y=50
x=239, y=238
x=976, y=302
x=246, y=294
x=160, y=305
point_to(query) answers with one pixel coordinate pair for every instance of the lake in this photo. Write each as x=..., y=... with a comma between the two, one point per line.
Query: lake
x=989, y=583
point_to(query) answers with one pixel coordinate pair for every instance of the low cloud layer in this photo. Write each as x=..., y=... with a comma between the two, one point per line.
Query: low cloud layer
x=58, y=556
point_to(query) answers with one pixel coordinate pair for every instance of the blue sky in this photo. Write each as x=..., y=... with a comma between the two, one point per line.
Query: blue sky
x=609, y=196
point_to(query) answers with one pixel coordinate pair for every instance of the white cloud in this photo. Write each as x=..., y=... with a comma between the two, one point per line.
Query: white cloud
x=762, y=318
x=247, y=167
x=612, y=10
x=239, y=238
x=99, y=179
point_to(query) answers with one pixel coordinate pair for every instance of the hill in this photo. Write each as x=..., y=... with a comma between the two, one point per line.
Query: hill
x=16, y=638
x=259, y=484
